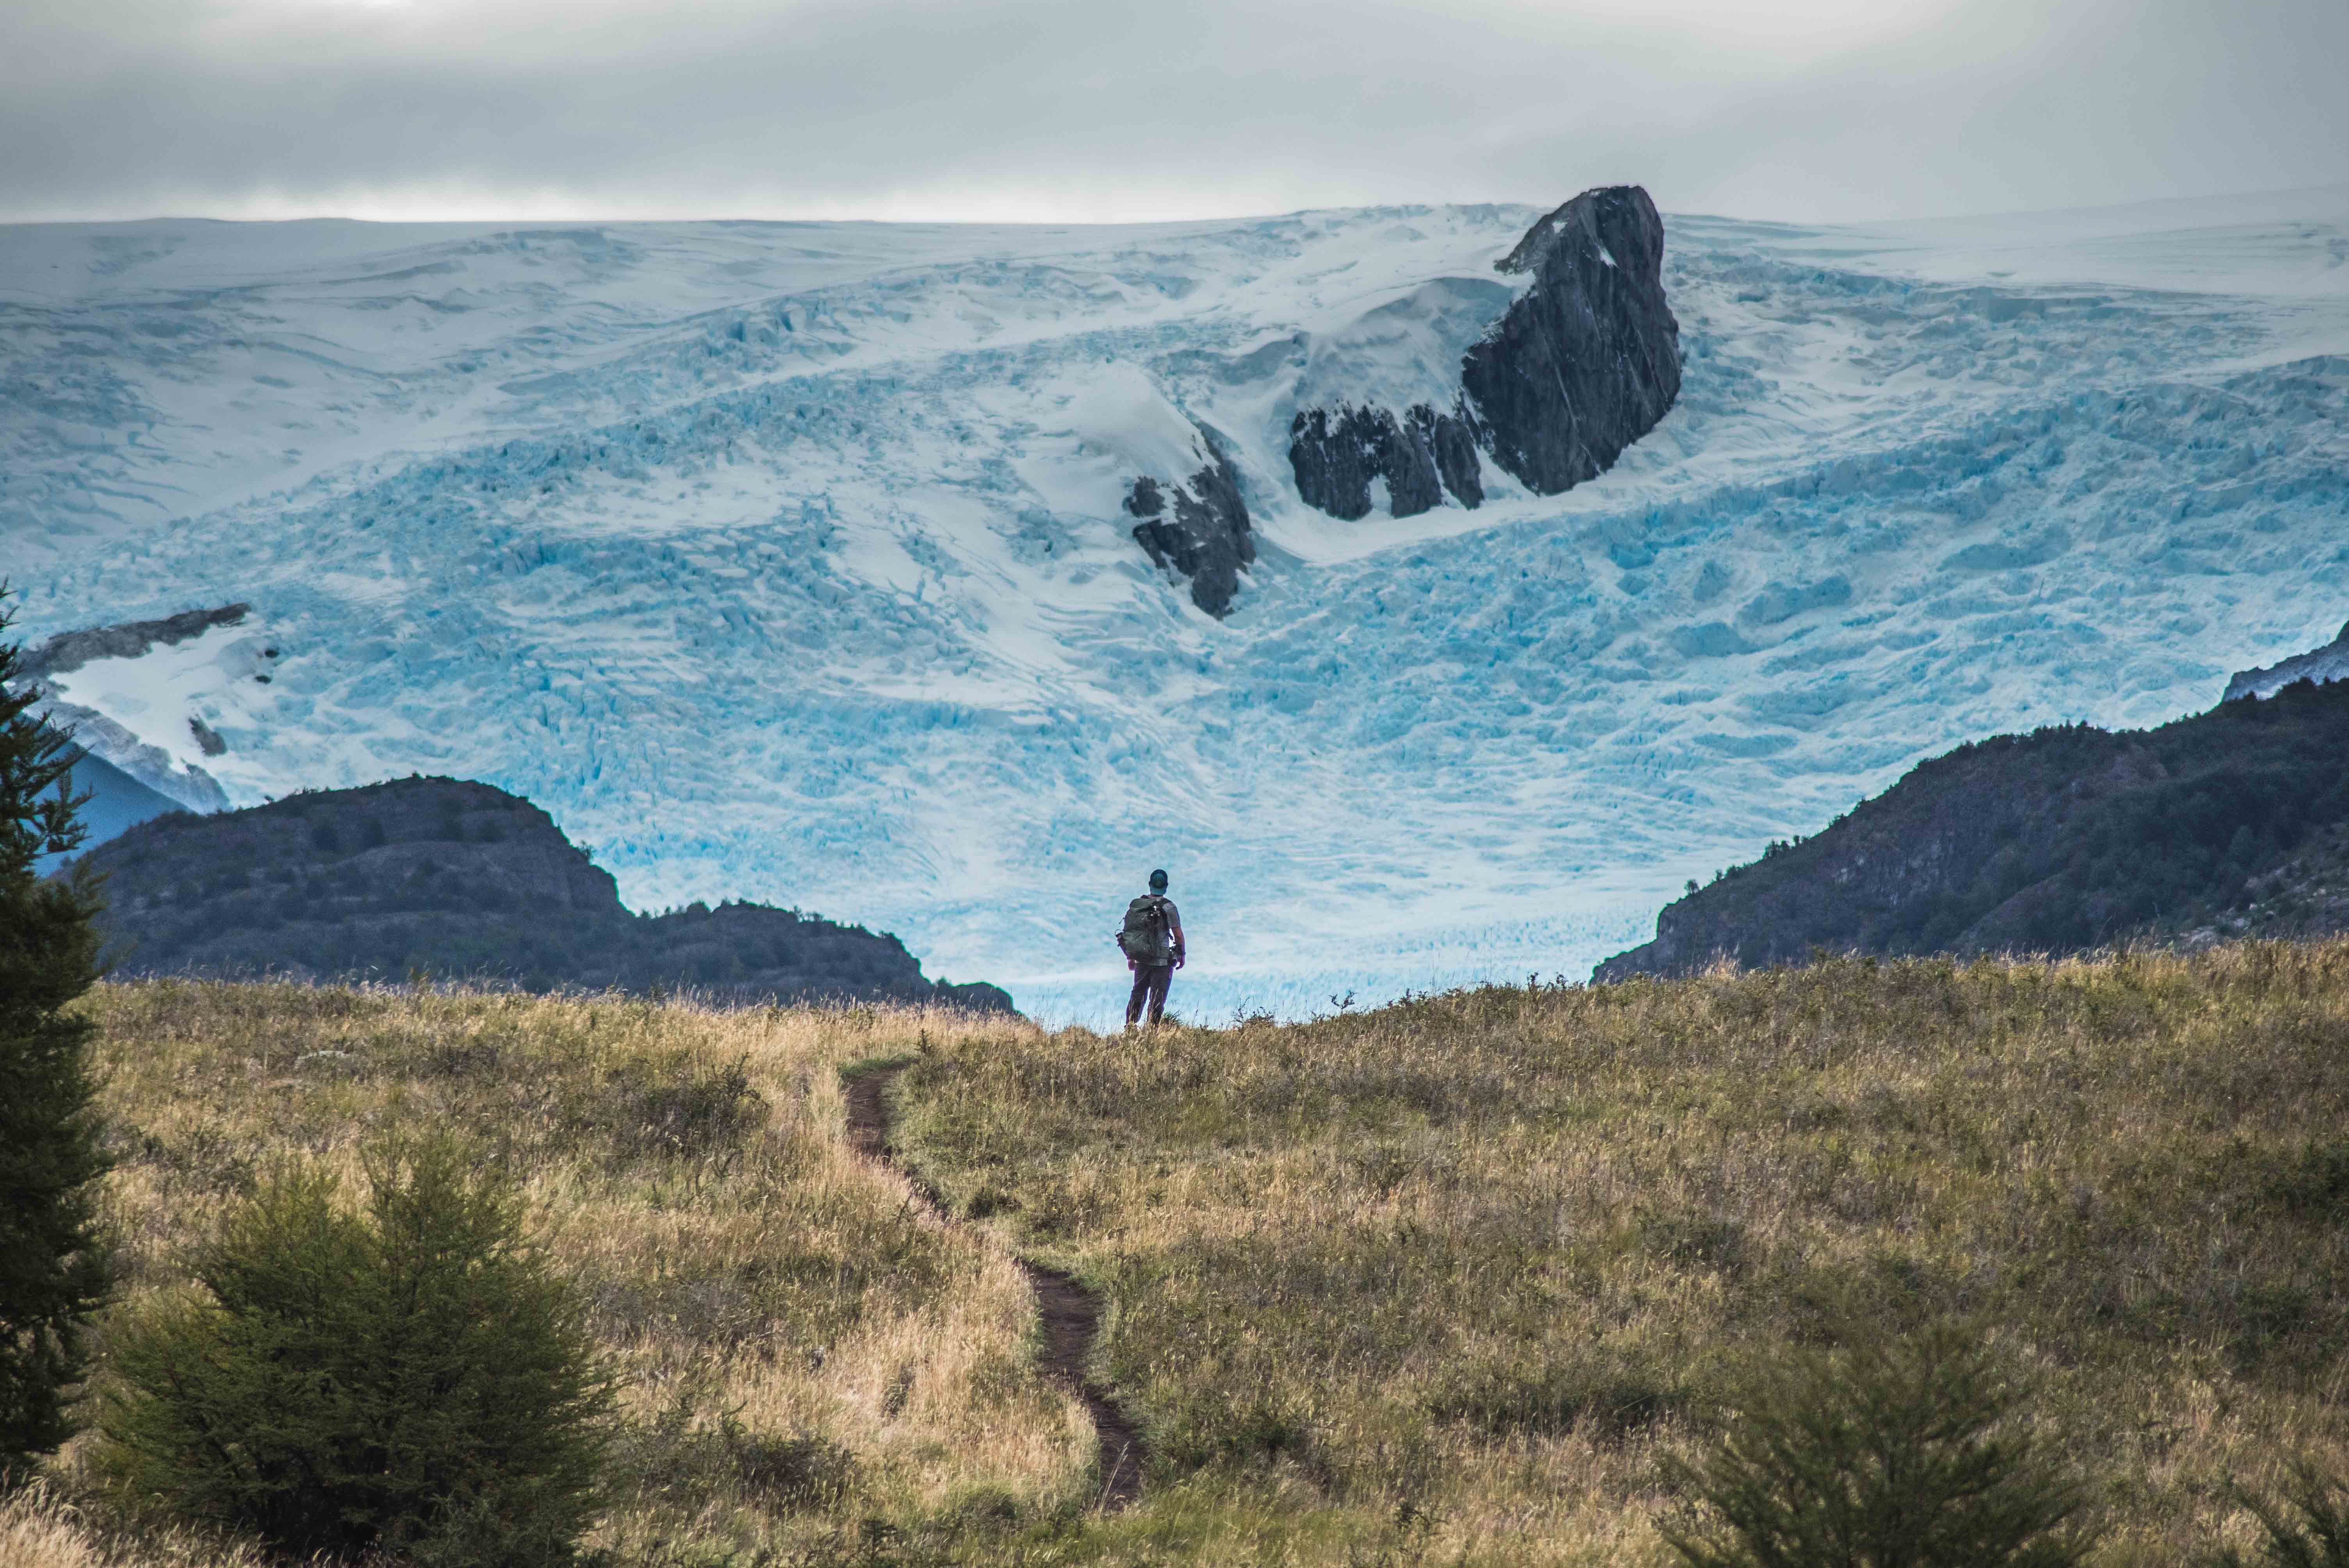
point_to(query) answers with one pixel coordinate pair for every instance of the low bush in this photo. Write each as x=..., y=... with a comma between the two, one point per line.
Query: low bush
x=686, y=1113
x=1909, y=1452
x=413, y=1377
x=54, y=1269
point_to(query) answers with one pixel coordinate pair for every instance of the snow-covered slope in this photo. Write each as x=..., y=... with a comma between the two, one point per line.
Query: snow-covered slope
x=788, y=561
x=2323, y=665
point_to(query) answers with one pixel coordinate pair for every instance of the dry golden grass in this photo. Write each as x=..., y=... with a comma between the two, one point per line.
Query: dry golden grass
x=40, y=1529
x=1441, y=1282
x=1435, y=1283
x=812, y=1367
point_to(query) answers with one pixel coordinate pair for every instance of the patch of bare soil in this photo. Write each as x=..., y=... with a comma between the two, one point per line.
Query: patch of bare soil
x=1069, y=1312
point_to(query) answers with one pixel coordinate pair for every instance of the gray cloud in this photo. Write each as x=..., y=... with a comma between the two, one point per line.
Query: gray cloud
x=1076, y=109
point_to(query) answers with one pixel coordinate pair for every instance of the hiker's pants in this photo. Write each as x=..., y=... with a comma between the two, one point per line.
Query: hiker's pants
x=1150, y=983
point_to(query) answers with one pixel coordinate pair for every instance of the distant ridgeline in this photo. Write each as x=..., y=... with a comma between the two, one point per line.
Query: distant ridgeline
x=2231, y=822
x=459, y=879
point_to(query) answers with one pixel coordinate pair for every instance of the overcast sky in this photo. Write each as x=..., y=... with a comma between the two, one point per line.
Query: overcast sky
x=1109, y=109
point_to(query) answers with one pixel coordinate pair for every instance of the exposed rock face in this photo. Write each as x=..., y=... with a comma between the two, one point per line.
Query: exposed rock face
x=1452, y=440
x=1198, y=528
x=1583, y=364
x=1588, y=360
x=2329, y=663
x=69, y=651
x=2057, y=841
x=459, y=879
x=1336, y=457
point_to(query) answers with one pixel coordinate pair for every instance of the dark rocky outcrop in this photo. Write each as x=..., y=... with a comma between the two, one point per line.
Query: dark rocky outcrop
x=1335, y=458
x=1453, y=441
x=1583, y=364
x=2329, y=663
x=1588, y=360
x=69, y=651
x=1197, y=528
x=459, y=879
x=2058, y=841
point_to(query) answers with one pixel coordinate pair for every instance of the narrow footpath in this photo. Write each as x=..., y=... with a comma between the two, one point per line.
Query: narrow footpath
x=1070, y=1314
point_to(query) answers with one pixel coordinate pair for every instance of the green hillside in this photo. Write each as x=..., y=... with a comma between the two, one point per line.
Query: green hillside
x=1447, y=1282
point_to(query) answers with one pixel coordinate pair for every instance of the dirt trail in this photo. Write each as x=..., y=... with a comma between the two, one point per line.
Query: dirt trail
x=1071, y=1313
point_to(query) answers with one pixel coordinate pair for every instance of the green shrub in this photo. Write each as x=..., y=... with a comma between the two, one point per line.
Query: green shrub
x=54, y=1274
x=413, y=1378
x=1898, y=1453
x=2307, y=1527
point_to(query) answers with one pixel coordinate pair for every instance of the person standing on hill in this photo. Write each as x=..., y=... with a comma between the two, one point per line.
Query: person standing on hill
x=1152, y=940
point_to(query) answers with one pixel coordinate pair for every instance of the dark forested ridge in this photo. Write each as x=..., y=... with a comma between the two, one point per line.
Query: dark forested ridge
x=2231, y=823
x=456, y=878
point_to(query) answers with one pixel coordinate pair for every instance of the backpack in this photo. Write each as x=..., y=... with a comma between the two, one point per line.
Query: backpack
x=1146, y=937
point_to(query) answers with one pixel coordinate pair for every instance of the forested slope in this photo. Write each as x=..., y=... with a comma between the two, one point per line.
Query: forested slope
x=2056, y=841
x=458, y=879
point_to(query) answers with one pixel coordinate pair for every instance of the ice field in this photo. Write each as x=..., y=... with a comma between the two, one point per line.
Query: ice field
x=785, y=560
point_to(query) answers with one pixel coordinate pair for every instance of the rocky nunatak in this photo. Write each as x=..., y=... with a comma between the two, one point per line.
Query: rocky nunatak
x=1198, y=527
x=459, y=879
x=1584, y=362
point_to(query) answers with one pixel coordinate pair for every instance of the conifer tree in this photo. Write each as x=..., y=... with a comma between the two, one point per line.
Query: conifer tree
x=1912, y=1451
x=52, y=1269
x=415, y=1379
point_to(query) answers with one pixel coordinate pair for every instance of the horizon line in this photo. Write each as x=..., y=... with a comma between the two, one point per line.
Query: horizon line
x=1237, y=216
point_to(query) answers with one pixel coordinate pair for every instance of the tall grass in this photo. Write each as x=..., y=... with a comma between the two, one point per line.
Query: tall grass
x=40, y=1530
x=1448, y=1280
x=811, y=1368
x=1448, y=1283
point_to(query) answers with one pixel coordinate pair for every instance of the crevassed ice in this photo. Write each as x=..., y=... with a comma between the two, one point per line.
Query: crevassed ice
x=787, y=560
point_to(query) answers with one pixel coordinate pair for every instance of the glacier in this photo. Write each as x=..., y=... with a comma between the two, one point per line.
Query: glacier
x=789, y=561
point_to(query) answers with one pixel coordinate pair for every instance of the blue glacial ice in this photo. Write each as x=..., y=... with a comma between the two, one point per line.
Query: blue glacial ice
x=787, y=560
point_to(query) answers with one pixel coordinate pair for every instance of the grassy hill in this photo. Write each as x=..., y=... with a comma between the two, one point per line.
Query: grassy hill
x=802, y=1351
x=1444, y=1280
x=1441, y=1283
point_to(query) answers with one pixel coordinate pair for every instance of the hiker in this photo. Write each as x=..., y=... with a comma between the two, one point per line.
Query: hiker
x=1152, y=940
